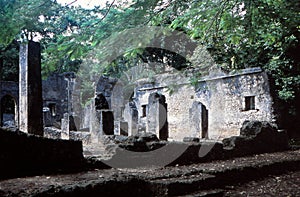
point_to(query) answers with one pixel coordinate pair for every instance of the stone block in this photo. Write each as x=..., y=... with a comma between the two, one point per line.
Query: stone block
x=256, y=137
x=23, y=155
x=191, y=139
x=65, y=129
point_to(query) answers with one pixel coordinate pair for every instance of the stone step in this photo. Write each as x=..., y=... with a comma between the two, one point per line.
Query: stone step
x=206, y=193
x=99, y=151
x=182, y=185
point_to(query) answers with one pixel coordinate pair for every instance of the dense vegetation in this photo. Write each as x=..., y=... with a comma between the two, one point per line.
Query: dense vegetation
x=237, y=33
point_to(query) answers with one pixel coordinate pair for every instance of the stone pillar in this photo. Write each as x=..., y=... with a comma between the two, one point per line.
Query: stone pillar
x=65, y=129
x=30, y=89
x=120, y=127
x=117, y=129
x=195, y=120
x=131, y=116
x=133, y=123
x=117, y=101
x=198, y=120
x=94, y=122
x=157, y=121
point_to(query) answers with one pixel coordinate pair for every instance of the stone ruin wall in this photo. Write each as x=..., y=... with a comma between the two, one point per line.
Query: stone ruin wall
x=224, y=98
x=55, y=94
x=10, y=88
x=222, y=95
x=226, y=103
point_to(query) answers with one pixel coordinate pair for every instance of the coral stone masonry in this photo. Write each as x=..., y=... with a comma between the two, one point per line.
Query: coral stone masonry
x=30, y=89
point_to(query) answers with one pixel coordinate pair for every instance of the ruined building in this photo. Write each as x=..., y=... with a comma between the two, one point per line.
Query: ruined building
x=168, y=106
x=215, y=108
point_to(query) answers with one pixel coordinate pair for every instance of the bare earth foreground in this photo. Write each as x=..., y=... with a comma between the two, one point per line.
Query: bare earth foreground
x=280, y=185
x=271, y=174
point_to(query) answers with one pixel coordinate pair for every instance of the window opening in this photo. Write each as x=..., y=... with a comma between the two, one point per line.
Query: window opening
x=249, y=103
x=52, y=108
x=144, y=110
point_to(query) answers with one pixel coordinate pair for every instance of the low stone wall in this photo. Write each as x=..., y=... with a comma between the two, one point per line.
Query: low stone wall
x=22, y=155
x=85, y=137
x=53, y=133
x=256, y=138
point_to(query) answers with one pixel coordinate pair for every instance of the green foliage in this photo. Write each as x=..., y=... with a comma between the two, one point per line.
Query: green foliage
x=247, y=33
x=237, y=33
x=241, y=34
x=9, y=63
x=22, y=19
x=81, y=30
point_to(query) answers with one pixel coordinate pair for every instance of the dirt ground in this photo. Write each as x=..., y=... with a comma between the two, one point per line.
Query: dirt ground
x=287, y=185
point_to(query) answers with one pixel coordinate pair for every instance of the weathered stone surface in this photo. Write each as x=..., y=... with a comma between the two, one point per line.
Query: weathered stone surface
x=84, y=137
x=141, y=142
x=155, y=145
x=120, y=127
x=54, y=92
x=30, y=89
x=257, y=137
x=157, y=117
x=105, y=87
x=11, y=89
x=198, y=117
x=146, y=137
x=200, y=152
x=222, y=95
x=252, y=128
x=142, y=137
x=22, y=154
x=65, y=127
x=52, y=133
x=120, y=139
x=131, y=116
x=191, y=139
x=55, y=95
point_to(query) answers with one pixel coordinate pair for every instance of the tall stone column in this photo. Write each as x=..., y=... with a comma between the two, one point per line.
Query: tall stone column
x=30, y=89
x=133, y=121
x=65, y=127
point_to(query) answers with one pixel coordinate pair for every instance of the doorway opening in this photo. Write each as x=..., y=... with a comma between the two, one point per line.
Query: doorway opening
x=204, y=121
x=8, y=111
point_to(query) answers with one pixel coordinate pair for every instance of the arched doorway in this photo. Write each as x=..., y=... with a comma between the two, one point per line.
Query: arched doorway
x=9, y=111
